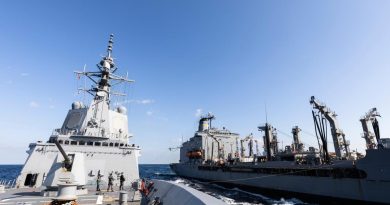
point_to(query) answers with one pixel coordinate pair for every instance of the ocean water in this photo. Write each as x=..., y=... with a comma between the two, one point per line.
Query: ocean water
x=232, y=196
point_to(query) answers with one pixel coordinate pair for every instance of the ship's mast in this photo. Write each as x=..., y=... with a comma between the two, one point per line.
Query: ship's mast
x=270, y=140
x=103, y=80
x=297, y=145
x=103, y=77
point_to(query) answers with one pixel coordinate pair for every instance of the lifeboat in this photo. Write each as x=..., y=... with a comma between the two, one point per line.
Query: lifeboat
x=194, y=154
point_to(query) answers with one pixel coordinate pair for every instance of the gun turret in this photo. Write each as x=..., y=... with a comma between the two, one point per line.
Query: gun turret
x=67, y=161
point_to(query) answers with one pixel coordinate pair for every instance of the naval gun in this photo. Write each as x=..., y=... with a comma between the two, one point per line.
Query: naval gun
x=323, y=115
x=67, y=161
x=371, y=116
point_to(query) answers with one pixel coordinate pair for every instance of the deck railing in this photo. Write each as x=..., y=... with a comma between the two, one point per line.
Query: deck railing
x=8, y=184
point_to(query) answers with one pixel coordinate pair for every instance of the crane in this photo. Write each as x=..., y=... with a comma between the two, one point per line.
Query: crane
x=341, y=146
x=220, y=153
x=174, y=148
x=370, y=137
x=177, y=147
x=270, y=140
x=297, y=145
x=249, y=137
x=257, y=147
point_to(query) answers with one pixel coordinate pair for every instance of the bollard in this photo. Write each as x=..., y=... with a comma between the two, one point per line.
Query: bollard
x=123, y=198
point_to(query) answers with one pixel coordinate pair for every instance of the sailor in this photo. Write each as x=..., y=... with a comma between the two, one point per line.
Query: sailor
x=143, y=189
x=98, y=180
x=110, y=182
x=122, y=180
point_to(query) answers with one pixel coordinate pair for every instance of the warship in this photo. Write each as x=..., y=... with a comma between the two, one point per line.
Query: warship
x=75, y=164
x=316, y=174
x=93, y=140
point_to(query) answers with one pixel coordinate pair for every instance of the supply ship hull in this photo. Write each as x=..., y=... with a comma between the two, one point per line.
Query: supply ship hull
x=317, y=183
x=220, y=156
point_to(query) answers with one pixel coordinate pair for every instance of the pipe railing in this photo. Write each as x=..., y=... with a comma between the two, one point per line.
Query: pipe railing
x=8, y=184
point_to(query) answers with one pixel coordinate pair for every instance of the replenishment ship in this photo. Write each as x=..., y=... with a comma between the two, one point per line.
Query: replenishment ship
x=321, y=176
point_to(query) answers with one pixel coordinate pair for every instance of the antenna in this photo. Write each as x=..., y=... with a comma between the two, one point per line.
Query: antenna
x=266, y=113
x=104, y=79
x=109, y=48
x=85, y=83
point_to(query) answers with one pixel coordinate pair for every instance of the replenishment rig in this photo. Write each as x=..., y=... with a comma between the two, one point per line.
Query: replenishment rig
x=221, y=156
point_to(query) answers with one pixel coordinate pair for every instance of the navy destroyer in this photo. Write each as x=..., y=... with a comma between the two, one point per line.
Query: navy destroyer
x=93, y=140
x=221, y=156
x=90, y=153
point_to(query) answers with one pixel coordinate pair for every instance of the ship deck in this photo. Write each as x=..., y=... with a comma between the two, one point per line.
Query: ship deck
x=32, y=196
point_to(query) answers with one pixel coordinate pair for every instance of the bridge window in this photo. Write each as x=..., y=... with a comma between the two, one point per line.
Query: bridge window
x=66, y=142
x=60, y=141
x=90, y=143
x=111, y=144
x=105, y=144
x=116, y=144
x=81, y=142
x=97, y=143
x=73, y=142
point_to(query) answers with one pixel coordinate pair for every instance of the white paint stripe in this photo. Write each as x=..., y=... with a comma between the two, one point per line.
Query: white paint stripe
x=34, y=202
x=95, y=196
x=22, y=198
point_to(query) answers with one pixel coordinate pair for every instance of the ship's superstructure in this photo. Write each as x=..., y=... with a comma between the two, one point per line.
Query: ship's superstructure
x=95, y=138
x=224, y=157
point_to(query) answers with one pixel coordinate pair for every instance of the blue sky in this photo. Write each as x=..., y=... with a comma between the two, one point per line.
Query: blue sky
x=225, y=57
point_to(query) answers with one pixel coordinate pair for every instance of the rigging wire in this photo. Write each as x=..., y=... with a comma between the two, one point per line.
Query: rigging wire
x=283, y=133
x=308, y=133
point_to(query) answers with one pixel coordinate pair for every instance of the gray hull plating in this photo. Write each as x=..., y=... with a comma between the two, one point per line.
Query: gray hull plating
x=373, y=188
x=45, y=160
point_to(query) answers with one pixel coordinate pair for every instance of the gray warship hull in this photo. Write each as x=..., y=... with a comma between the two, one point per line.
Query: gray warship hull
x=309, y=181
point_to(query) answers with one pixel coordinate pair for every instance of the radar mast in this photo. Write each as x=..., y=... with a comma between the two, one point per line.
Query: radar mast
x=105, y=78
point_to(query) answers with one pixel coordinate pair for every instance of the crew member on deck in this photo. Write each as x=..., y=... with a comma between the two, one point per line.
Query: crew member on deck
x=110, y=182
x=121, y=180
x=98, y=180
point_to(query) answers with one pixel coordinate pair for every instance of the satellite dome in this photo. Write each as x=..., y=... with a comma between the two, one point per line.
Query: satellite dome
x=122, y=110
x=76, y=105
